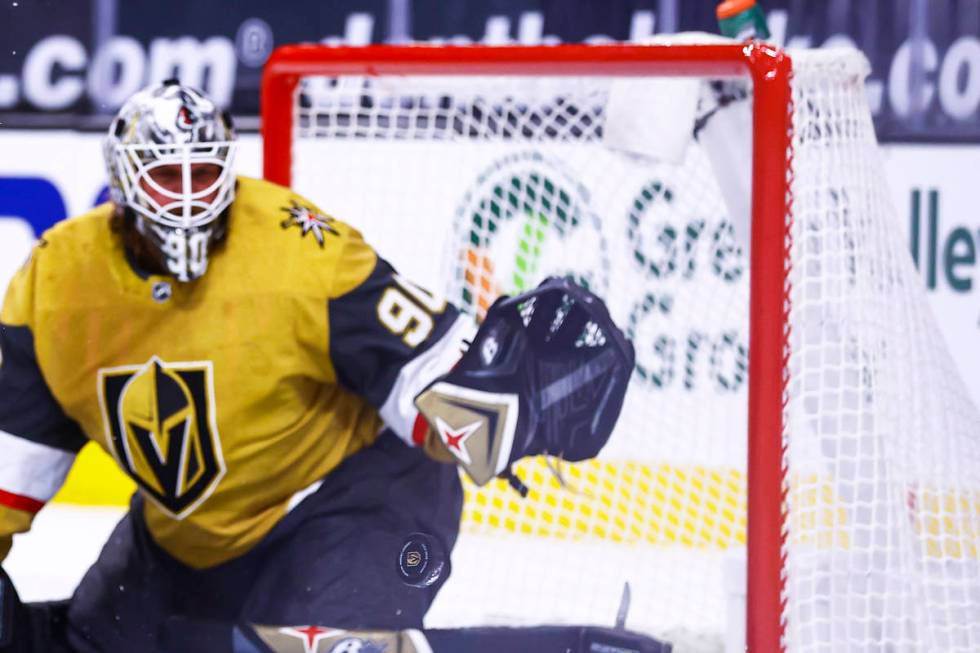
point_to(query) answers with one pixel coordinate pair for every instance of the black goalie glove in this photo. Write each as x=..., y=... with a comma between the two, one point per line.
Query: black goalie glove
x=546, y=374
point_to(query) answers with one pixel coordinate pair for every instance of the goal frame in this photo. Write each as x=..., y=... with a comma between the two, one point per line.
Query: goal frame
x=770, y=70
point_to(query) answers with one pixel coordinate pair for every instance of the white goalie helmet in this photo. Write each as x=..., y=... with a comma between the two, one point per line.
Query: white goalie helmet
x=169, y=130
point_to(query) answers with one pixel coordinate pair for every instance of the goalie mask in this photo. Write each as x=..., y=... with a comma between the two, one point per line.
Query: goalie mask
x=169, y=155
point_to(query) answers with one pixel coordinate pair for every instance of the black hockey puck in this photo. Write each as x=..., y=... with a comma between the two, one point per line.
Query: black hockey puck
x=421, y=561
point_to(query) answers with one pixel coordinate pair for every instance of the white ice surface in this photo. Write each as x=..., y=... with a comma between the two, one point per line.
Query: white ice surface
x=49, y=561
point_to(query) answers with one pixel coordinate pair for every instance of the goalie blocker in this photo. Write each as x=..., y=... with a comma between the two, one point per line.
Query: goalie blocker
x=546, y=374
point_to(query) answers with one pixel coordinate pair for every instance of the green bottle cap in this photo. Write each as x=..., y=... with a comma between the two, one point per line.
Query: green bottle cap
x=742, y=20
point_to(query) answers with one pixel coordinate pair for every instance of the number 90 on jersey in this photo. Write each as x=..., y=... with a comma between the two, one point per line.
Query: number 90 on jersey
x=406, y=310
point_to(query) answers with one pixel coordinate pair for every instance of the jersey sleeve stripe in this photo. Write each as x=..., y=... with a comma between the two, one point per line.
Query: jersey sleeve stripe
x=31, y=470
x=17, y=502
x=398, y=410
x=419, y=430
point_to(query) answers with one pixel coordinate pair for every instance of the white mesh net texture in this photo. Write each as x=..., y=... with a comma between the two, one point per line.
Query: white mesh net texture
x=883, y=441
x=476, y=186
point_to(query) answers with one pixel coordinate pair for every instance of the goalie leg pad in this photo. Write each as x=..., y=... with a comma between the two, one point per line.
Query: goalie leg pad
x=198, y=637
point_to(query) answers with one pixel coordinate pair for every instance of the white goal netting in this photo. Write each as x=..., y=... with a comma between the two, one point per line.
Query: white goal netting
x=476, y=186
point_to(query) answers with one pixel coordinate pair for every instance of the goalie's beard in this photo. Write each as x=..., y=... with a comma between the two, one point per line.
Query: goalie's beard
x=148, y=258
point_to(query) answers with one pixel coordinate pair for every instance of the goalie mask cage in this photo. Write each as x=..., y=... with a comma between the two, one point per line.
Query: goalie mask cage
x=793, y=425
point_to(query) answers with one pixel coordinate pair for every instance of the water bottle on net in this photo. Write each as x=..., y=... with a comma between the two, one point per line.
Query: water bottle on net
x=742, y=20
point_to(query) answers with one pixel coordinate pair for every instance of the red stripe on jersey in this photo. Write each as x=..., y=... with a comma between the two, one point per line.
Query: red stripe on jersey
x=419, y=430
x=17, y=502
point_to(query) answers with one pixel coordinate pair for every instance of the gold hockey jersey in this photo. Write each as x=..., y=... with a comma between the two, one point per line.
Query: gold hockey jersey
x=224, y=398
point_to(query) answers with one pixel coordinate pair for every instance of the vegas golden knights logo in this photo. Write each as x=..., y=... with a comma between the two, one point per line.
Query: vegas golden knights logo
x=160, y=423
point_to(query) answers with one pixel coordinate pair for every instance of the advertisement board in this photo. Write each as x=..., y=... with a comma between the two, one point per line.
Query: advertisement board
x=74, y=68
x=57, y=174
x=932, y=190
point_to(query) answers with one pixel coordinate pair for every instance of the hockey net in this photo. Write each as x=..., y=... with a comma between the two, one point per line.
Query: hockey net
x=840, y=457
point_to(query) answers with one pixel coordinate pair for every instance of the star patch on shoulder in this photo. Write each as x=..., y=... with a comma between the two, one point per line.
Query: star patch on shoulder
x=309, y=221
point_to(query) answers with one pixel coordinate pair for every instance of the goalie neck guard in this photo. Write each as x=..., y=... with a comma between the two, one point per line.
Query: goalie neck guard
x=176, y=129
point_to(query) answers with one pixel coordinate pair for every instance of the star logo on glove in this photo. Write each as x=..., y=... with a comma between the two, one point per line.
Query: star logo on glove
x=311, y=636
x=456, y=438
x=308, y=221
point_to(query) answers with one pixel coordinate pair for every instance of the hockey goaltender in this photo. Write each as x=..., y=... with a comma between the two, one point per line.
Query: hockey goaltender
x=286, y=404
